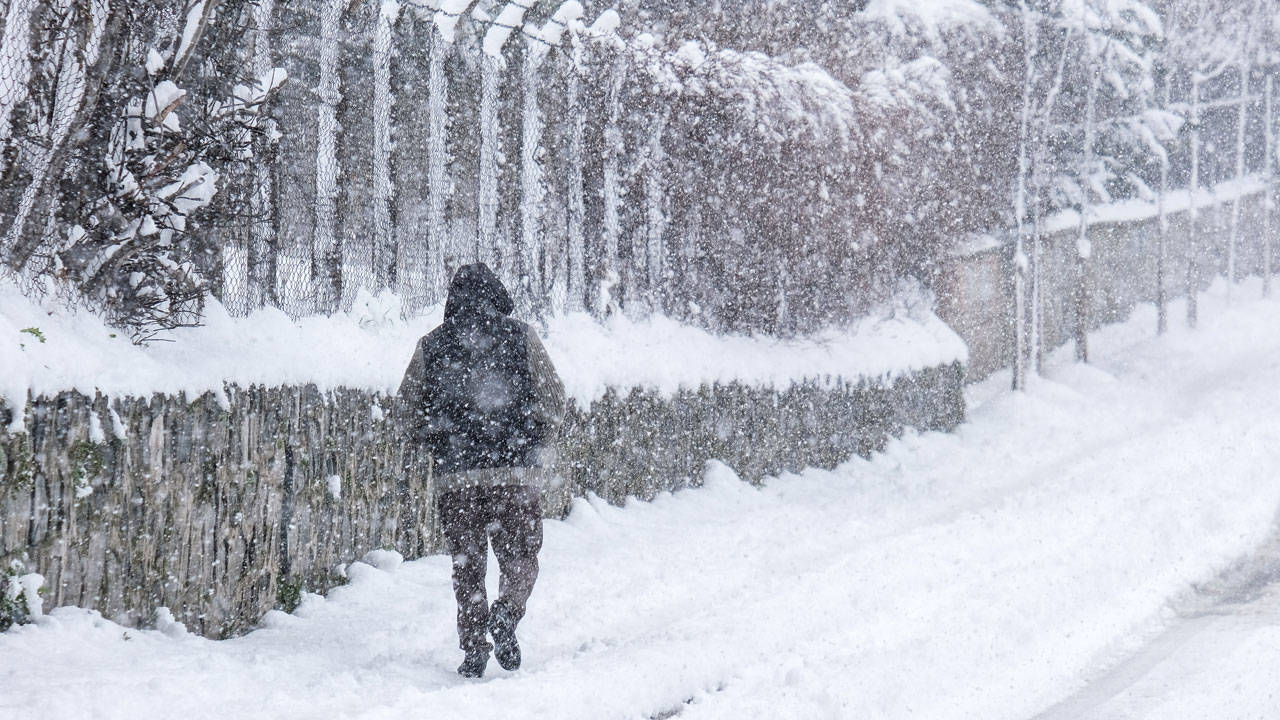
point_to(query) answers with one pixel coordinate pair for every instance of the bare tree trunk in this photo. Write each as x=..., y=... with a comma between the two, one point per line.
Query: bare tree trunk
x=415, y=276
x=388, y=260
x=1036, y=342
x=447, y=252
x=296, y=169
x=77, y=44
x=1193, y=241
x=1162, y=241
x=15, y=75
x=1268, y=195
x=262, y=200
x=487, y=249
x=575, y=210
x=1084, y=248
x=612, y=221
x=531, y=286
x=1234, y=240
x=358, y=252
x=329, y=92
x=654, y=256
x=1020, y=325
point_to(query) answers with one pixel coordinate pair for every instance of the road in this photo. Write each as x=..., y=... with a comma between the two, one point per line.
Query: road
x=1219, y=658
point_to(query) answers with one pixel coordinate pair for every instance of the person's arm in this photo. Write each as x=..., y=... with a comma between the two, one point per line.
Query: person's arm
x=413, y=397
x=548, y=390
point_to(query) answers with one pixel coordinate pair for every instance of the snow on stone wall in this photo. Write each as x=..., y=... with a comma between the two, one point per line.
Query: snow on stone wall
x=47, y=349
x=975, y=293
x=225, y=506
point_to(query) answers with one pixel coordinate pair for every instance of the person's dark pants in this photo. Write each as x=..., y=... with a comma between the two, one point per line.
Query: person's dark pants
x=512, y=516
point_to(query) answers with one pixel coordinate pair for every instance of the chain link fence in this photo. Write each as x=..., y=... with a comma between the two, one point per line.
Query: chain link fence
x=597, y=173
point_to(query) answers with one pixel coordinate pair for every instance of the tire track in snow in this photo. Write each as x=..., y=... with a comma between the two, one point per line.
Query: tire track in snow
x=1204, y=617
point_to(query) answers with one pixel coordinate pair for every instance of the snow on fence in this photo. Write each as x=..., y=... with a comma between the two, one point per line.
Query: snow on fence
x=223, y=508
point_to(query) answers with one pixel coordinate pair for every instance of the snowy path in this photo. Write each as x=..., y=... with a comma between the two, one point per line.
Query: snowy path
x=984, y=574
x=1217, y=660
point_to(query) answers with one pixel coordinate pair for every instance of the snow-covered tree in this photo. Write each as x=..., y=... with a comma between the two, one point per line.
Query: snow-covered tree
x=132, y=119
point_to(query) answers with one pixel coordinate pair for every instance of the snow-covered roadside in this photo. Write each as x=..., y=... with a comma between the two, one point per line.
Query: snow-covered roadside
x=48, y=349
x=976, y=574
x=1226, y=669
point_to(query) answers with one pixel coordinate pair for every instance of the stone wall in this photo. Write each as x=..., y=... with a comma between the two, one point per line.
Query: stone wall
x=221, y=507
x=975, y=290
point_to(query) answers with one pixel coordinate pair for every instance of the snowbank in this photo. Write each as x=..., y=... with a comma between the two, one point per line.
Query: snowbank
x=663, y=354
x=45, y=349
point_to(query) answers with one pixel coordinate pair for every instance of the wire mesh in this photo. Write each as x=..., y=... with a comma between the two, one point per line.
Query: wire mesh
x=235, y=279
x=382, y=185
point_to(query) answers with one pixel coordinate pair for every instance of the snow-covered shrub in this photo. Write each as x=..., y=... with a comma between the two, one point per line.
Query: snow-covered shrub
x=134, y=118
x=20, y=600
x=134, y=256
x=132, y=250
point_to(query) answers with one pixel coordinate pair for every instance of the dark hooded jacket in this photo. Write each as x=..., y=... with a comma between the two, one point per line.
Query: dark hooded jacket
x=480, y=392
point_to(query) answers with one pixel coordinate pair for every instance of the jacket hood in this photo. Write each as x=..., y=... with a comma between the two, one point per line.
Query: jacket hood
x=476, y=290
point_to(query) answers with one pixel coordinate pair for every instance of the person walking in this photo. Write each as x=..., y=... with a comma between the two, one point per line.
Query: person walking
x=483, y=400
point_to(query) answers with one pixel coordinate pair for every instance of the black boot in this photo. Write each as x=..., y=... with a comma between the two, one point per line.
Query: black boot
x=473, y=665
x=503, y=628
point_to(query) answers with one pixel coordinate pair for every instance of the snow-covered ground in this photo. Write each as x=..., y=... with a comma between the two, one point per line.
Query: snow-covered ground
x=1218, y=659
x=989, y=573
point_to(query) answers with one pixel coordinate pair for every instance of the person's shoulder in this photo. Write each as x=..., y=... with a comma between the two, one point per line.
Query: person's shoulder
x=434, y=339
x=516, y=326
